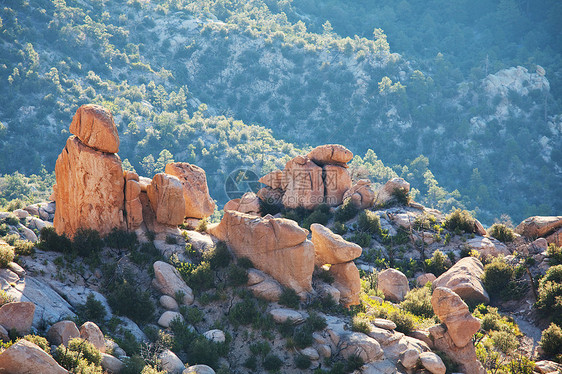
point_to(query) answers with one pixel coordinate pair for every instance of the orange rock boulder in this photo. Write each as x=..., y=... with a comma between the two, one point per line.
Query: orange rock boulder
x=198, y=202
x=94, y=126
x=305, y=186
x=330, y=154
x=166, y=199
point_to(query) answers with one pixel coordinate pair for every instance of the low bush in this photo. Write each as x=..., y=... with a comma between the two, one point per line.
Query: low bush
x=401, y=196
x=7, y=255
x=551, y=340
x=321, y=214
x=171, y=239
x=418, y=302
x=272, y=363
x=86, y=242
x=237, y=275
x=80, y=357
x=121, y=239
x=404, y=320
x=497, y=275
x=92, y=310
x=24, y=247
x=192, y=316
x=5, y=297
x=363, y=239
x=199, y=277
x=554, y=254
x=360, y=324
x=316, y=322
x=550, y=294
x=289, y=298
x=52, y=242
x=202, y=226
x=346, y=211
x=11, y=220
x=219, y=256
x=302, y=362
x=40, y=341
x=369, y=222
x=437, y=264
x=199, y=350
x=501, y=232
x=244, y=313
x=260, y=349
x=127, y=299
x=460, y=221
x=492, y=320
x=340, y=228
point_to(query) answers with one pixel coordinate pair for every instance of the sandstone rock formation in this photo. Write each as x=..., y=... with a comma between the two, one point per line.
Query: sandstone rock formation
x=94, y=126
x=91, y=332
x=465, y=356
x=305, y=186
x=464, y=279
x=165, y=193
x=536, y=226
x=347, y=281
x=276, y=246
x=133, y=205
x=169, y=282
x=89, y=189
x=393, y=284
x=18, y=316
x=337, y=181
x=330, y=154
x=24, y=357
x=274, y=180
x=331, y=248
x=198, y=202
x=386, y=193
x=62, y=332
x=249, y=203
x=362, y=194
x=454, y=313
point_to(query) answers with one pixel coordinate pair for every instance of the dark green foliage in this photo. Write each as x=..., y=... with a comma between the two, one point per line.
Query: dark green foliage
x=437, y=264
x=52, y=242
x=418, y=302
x=40, y=341
x=346, y=211
x=550, y=294
x=133, y=365
x=245, y=263
x=460, y=221
x=86, y=242
x=219, y=256
x=501, y=232
x=272, y=363
x=354, y=362
x=24, y=247
x=260, y=348
x=237, y=275
x=81, y=357
x=145, y=254
x=363, y=239
x=302, y=337
x=244, y=313
x=171, y=239
x=92, y=310
x=270, y=207
x=497, y=275
x=251, y=363
x=324, y=275
x=321, y=214
x=316, y=322
x=369, y=222
x=126, y=298
x=554, y=254
x=302, y=362
x=199, y=349
x=199, y=277
x=551, y=340
x=192, y=316
x=340, y=228
x=11, y=220
x=289, y=298
x=121, y=239
x=401, y=196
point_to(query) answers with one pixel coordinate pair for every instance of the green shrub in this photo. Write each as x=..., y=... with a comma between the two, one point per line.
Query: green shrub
x=171, y=239
x=321, y=214
x=199, y=349
x=5, y=297
x=492, y=320
x=40, y=341
x=360, y=324
x=550, y=294
x=551, y=340
x=251, y=362
x=302, y=362
x=192, y=316
x=260, y=349
x=418, y=302
x=521, y=365
x=272, y=363
x=133, y=365
x=81, y=357
x=340, y=228
x=86, y=242
x=316, y=322
x=401, y=196
x=497, y=275
x=363, y=239
x=87, y=349
x=237, y=275
x=7, y=255
x=199, y=277
x=244, y=313
x=501, y=232
x=92, y=310
x=121, y=239
x=346, y=211
x=302, y=337
x=52, y=242
x=460, y=221
x=24, y=247
x=202, y=226
x=554, y=254
x=128, y=300
x=369, y=222
x=289, y=298
x=219, y=256
x=11, y=220
x=148, y=369
x=146, y=253
x=437, y=264
x=324, y=275
x=245, y=263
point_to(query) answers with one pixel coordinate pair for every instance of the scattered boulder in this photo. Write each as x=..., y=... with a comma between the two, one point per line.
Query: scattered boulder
x=384, y=323
x=488, y=247
x=311, y=353
x=215, y=335
x=361, y=345
x=18, y=316
x=24, y=357
x=393, y=284
x=89, y=190
x=422, y=280
x=111, y=364
x=91, y=332
x=330, y=154
x=198, y=201
x=165, y=193
x=454, y=313
x=94, y=126
x=62, y=332
x=282, y=315
x=534, y=227
x=347, y=281
x=409, y=358
x=276, y=246
x=305, y=186
x=386, y=193
x=198, y=369
x=269, y=290
x=169, y=303
x=169, y=281
x=167, y=317
x=331, y=248
x=362, y=194
x=464, y=279
x=432, y=362
x=170, y=362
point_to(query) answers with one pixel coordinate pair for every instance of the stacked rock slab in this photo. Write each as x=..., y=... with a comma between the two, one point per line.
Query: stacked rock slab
x=198, y=202
x=332, y=249
x=276, y=246
x=308, y=181
x=133, y=205
x=90, y=184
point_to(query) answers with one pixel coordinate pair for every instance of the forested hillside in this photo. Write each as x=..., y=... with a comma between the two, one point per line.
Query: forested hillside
x=231, y=84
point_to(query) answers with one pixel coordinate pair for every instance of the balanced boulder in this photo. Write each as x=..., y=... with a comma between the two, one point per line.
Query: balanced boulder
x=464, y=279
x=330, y=154
x=331, y=248
x=347, y=281
x=94, y=126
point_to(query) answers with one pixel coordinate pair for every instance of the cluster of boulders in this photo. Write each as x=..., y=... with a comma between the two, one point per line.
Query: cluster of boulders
x=548, y=227
x=92, y=191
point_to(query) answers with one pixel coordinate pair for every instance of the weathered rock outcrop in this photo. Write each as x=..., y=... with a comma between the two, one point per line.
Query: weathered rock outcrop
x=347, y=281
x=337, y=181
x=276, y=246
x=198, y=202
x=362, y=194
x=331, y=248
x=18, y=316
x=464, y=279
x=133, y=205
x=94, y=126
x=464, y=356
x=91, y=332
x=305, y=186
x=166, y=199
x=249, y=203
x=274, y=180
x=169, y=282
x=89, y=189
x=25, y=357
x=330, y=154
x=62, y=332
x=387, y=192
x=393, y=284
x=534, y=227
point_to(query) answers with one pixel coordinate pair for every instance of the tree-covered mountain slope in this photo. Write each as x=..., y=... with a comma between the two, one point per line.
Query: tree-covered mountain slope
x=277, y=65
